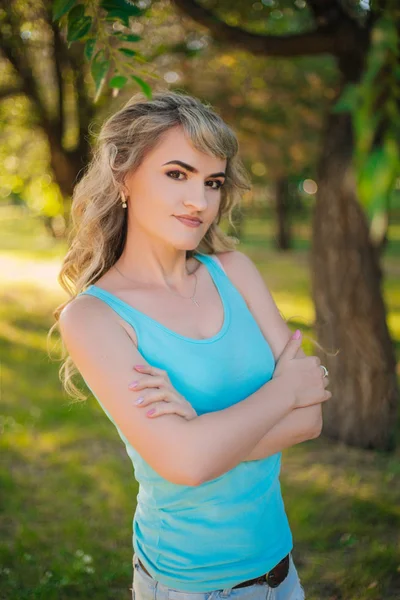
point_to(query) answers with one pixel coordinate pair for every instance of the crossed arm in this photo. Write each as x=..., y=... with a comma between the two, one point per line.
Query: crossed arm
x=302, y=423
x=298, y=426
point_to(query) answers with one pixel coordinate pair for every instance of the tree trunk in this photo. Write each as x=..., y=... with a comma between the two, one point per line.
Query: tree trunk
x=283, y=239
x=350, y=311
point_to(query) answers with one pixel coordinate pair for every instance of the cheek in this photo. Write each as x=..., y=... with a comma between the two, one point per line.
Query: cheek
x=152, y=196
x=214, y=202
x=152, y=208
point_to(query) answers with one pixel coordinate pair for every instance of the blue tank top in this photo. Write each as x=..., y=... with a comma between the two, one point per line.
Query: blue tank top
x=232, y=528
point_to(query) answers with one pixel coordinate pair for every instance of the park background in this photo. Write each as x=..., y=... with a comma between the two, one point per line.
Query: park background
x=68, y=493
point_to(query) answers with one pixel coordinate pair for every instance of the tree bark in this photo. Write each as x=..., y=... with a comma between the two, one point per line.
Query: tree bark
x=350, y=310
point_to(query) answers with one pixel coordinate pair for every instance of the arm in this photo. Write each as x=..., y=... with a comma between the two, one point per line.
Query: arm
x=104, y=354
x=291, y=430
x=301, y=423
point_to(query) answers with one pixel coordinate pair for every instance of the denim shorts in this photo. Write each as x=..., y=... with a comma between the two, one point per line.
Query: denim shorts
x=146, y=588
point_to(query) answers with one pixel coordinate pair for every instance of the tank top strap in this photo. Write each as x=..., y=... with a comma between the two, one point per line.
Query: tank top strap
x=128, y=313
x=212, y=261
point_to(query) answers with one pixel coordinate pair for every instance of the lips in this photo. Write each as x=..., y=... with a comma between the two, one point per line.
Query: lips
x=189, y=222
x=187, y=218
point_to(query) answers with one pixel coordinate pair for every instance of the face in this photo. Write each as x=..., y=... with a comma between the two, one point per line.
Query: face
x=159, y=192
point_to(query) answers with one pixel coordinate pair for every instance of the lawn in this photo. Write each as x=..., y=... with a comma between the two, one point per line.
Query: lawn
x=68, y=493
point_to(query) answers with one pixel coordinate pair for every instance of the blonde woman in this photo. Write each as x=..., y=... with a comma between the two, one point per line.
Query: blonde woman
x=179, y=339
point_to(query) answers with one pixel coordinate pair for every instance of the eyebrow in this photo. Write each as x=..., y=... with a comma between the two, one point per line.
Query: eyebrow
x=193, y=169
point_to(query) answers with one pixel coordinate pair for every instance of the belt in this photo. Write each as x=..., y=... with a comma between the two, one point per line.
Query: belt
x=274, y=577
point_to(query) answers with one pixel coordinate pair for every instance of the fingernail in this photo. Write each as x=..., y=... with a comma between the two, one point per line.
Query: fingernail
x=296, y=335
x=133, y=384
x=140, y=366
x=151, y=412
x=139, y=400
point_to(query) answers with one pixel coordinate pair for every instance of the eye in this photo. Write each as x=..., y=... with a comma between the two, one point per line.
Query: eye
x=175, y=175
x=219, y=184
x=169, y=173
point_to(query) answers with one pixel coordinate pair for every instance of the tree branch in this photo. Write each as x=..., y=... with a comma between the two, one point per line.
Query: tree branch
x=19, y=60
x=74, y=59
x=318, y=41
x=11, y=90
x=58, y=67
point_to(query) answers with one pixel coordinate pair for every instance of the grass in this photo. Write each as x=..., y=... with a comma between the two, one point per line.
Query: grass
x=68, y=491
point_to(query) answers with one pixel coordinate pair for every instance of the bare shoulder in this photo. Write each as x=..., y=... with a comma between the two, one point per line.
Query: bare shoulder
x=244, y=274
x=235, y=261
x=86, y=312
x=81, y=314
x=81, y=320
x=78, y=310
x=246, y=277
x=241, y=270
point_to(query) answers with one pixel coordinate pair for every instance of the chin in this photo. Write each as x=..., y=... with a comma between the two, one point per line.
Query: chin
x=185, y=245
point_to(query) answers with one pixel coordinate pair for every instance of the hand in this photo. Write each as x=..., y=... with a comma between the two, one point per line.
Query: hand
x=164, y=399
x=303, y=376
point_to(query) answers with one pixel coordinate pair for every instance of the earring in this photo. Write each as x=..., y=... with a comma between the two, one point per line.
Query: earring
x=124, y=205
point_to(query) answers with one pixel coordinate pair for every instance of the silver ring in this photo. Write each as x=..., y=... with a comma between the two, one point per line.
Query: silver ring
x=326, y=372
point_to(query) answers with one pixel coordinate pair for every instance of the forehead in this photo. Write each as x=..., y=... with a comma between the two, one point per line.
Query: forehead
x=175, y=145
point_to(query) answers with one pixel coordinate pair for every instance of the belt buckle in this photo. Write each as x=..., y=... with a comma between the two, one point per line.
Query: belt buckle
x=270, y=579
x=274, y=577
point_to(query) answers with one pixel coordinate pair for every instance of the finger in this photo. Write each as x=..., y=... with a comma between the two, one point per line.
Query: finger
x=147, y=381
x=151, y=370
x=315, y=396
x=290, y=350
x=150, y=396
x=326, y=381
x=155, y=410
x=169, y=408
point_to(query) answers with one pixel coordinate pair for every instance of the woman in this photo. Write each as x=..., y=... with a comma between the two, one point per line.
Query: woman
x=154, y=282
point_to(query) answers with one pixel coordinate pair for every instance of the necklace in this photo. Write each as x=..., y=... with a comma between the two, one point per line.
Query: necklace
x=192, y=298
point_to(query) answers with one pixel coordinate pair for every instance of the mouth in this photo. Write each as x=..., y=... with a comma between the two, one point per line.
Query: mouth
x=189, y=222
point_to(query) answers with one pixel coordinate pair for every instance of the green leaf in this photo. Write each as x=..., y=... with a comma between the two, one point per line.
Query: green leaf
x=375, y=64
x=61, y=7
x=120, y=9
x=78, y=24
x=128, y=37
x=121, y=6
x=89, y=48
x=377, y=175
x=99, y=69
x=365, y=125
x=76, y=13
x=348, y=99
x=145, y=86
x=140, y=58
x=127, y=51
x=118, y=81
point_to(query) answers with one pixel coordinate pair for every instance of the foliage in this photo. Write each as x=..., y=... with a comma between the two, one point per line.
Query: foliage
x=275, y=104
x=88, y=23
x=276, y=107
x=374, y=103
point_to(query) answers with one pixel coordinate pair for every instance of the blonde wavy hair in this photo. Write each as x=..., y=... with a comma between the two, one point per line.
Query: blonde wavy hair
x=99, y=224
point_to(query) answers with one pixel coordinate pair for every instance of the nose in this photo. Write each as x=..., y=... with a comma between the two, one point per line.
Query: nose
x=197, y=197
